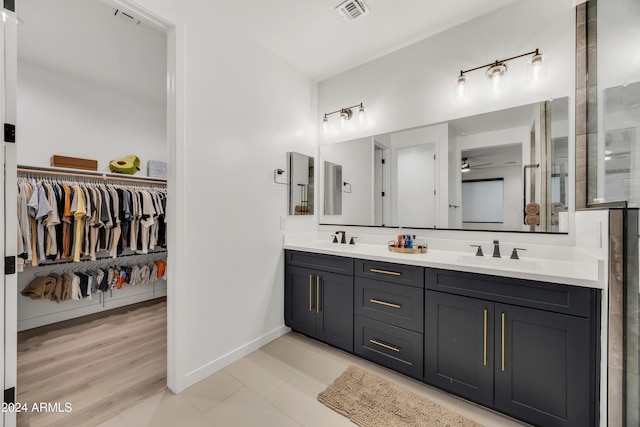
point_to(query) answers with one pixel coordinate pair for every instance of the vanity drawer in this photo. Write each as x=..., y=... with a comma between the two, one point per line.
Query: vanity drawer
x=409, y=275
x=397, y=305
x=390, y=346
x=527, y=293
x=330, y=263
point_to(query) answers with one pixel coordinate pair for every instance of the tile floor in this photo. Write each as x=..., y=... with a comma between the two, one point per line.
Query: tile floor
x=277, y=386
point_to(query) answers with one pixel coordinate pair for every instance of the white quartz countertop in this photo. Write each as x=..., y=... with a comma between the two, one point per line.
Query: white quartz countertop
x=583, y=270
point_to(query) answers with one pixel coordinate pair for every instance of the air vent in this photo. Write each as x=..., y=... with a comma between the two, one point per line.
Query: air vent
x=352, y=9
x=126, y=16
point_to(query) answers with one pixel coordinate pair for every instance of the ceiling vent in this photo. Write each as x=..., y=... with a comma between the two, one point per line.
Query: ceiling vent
x=126, y=16
x=352, y=9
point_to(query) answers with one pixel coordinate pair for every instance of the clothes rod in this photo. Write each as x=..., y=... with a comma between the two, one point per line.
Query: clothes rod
x=88, y=174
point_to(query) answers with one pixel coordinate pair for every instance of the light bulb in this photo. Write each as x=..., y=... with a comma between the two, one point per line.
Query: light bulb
x=536, y=71
x=496, y=75
x=325, y=124
x=362, y=115
x=343, y=119
x=462, y=86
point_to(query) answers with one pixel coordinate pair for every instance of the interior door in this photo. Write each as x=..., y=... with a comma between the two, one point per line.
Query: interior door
x=416, y=186
x=8, y=215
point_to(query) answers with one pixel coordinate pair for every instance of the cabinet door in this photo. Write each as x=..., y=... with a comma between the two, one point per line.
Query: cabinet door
x=334, y=324
x=542, y=366
x=458, y=345
x=299, y=300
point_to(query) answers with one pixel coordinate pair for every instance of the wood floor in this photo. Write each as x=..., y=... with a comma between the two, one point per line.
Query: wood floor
x=101, y=365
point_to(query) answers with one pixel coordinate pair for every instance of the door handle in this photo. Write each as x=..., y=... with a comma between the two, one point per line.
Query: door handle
x=311, y=292
x=317, y=294
x=502, y=342
x=485, y=337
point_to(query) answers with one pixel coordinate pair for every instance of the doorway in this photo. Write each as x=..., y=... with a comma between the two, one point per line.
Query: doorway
x=30, y=134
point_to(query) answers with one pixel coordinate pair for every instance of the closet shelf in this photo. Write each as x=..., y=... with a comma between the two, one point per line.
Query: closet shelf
x=76, y=173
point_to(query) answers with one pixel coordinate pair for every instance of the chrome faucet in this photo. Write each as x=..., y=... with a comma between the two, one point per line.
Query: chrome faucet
x=344, y=237
x=496, y=249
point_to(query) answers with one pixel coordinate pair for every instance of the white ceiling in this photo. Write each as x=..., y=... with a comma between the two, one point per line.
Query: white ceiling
x=83, y=38
x=311, y=35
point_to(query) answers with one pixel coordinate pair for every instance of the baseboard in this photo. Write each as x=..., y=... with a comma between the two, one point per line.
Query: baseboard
x=215, y=365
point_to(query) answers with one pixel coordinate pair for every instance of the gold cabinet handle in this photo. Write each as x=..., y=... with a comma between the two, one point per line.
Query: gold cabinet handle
x=391, y=273
x=390, y=347
x=388, y=304
x=502, y=342
x=485, y=337
x=311, y=292
x=317, y=294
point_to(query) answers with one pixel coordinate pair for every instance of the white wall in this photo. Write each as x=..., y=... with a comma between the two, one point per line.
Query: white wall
x=62, y=114
x=239, y=110
x=415, y=85
x=356, y=159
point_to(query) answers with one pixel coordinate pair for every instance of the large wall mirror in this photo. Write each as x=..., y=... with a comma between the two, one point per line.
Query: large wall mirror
x=506, y=170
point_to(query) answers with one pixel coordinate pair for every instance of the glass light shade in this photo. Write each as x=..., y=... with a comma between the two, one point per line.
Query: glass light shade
x=362, y=115
x=325, y=124
x=462, y=89
x=496, y=74
x=343, y=119
x=535, y=69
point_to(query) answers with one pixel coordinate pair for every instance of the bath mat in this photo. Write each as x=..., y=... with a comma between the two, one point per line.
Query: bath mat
x=371, y=401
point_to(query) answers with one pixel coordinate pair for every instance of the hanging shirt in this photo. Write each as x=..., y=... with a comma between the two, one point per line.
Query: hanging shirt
x=79, y=214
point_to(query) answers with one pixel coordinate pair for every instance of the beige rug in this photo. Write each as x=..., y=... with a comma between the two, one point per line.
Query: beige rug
x=371, y=401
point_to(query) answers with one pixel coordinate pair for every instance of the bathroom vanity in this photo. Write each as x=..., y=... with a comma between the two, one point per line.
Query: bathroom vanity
x=526, y=348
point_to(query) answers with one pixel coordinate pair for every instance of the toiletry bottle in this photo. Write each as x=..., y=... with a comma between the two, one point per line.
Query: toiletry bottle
x=415, y=241
x=409, y=242
x=399, y=242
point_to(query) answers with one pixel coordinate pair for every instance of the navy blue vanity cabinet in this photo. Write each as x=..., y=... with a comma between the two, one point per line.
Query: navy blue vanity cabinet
x=459, y=337
x=524, y=348
x=389, y=315
x=319, y=297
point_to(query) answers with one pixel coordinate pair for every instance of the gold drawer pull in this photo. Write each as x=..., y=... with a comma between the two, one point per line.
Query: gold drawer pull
x=388, y=304
x=396, y=349
x=391, y=273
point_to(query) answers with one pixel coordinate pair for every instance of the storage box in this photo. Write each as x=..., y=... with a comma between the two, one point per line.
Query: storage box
x=74, y=163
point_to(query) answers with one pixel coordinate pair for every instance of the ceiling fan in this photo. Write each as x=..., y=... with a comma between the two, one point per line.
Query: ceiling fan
x=466, y=167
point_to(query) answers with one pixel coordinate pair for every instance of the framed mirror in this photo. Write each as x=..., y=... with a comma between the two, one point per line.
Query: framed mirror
x=301, y=178
x=442, y=175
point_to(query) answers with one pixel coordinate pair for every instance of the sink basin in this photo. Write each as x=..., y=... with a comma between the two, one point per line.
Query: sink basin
x=487, y=261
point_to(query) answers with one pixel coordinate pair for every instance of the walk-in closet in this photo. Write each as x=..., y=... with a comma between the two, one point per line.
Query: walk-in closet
x=92, y=246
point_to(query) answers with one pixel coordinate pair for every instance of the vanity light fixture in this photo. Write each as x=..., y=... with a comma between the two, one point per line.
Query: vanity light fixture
x=346, y=113
x=497, y=70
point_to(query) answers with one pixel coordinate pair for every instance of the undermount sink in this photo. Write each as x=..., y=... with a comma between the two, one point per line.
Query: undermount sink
x=488, y=261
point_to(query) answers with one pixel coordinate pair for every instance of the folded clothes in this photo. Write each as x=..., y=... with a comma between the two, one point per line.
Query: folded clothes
x=39, y=287
x=532, y=208
x=532, y=220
